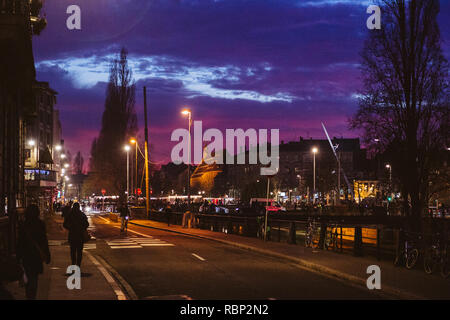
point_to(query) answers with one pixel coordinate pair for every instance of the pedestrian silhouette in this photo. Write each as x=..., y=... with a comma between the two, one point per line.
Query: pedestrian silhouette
x=32, y=249
x=77, y=223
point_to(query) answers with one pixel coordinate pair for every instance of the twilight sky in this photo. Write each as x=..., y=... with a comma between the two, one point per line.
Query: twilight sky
x=236, y=63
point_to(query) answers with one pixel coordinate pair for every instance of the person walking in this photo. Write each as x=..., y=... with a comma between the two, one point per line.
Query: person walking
x=66, y=210
x=77, y=223
x=32, y=249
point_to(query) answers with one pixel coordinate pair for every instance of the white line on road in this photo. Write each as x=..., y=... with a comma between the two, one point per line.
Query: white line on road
x=198, y=257
x=125, y=247
x=119, y=293
x=157, y=244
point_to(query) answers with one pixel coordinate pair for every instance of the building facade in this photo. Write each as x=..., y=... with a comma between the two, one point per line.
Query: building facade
x=42, y=158
x=19, y=20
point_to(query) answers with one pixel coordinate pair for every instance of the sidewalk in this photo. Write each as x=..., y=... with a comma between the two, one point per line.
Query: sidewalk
x=52, y=283
x=397, y=282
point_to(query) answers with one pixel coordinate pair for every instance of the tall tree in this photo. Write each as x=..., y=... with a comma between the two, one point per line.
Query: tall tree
x=404, y=107
x=78, y=163
x=119, y=123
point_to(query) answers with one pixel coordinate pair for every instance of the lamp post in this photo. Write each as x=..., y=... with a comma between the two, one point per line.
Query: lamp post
x=314, y=151
x=134, y=141
x=189, y=113
x=388, y=166
x=127, y=149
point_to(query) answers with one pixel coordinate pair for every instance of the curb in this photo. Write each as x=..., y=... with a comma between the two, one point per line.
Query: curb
x=129, y=292
x=304, y=263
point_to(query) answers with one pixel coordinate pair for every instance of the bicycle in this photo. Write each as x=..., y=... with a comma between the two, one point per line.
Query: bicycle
x=124, y=228
x=331, y=240
x=311, y=229
x=436, y=255
x=409, y=254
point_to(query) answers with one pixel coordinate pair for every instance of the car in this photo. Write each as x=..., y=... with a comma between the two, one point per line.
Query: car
x=275, y=208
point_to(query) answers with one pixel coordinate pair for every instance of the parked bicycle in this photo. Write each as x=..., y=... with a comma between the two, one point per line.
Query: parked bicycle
x=332, y=239
x=437, y=255
x=409, y=254
x=311, y=231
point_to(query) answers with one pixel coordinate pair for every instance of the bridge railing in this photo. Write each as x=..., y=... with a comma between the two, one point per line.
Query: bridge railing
x=371, y=235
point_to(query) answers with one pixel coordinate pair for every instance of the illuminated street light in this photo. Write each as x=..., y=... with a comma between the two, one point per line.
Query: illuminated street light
x=31, y=143
x=314, y=151
x=189, y=114
x=67, y=178
x=135, y=179
x=58, y=148
x=63, y=156
x=127, y=149
x=66, y=165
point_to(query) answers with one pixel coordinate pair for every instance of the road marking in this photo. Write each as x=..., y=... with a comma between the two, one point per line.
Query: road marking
x=198, y=257
x=104, y=219
x=119, y=293
x=135, y=243
x=125, y=247
x=90, y=246
x=149, y=241
x=158, y=245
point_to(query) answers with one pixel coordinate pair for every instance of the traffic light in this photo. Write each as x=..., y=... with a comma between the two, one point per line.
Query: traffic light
x=389, y=198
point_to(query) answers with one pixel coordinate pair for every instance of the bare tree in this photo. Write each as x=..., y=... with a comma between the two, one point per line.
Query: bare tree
x=78, y=163
x=404, y=105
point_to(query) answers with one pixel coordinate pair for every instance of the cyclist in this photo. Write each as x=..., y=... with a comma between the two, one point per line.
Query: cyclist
x=124, y=215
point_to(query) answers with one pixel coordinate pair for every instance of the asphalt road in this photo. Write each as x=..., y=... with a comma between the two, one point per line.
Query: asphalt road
x=159, y=264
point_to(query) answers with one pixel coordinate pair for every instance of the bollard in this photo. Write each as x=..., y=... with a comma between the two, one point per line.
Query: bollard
x=229, y=227
x=323, y=234
x=292, y=238
x=378, y=243
x=358, y=248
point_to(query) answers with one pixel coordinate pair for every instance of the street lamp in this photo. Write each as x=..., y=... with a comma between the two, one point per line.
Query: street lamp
x=388, y=166
x=134, y=141
x=31, y=143
x=66, y=165
x=127, y=149
x=189, y=114
x=314, y=151
x=58, y=148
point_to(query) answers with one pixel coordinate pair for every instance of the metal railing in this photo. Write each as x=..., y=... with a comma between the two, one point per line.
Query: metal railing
x=369, y=235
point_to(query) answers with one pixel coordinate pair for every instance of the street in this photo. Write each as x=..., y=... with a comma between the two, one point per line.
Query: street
x=159, y=264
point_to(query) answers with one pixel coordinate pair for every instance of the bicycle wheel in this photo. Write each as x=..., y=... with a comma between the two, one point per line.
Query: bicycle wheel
x=429, y=262
x=307, y=241
x=397, y=260
x=335, y=244
x=411, y=260
x=328, y=242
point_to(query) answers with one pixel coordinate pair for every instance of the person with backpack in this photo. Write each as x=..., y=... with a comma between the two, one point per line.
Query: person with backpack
x=32, y=249
x=77, y=223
